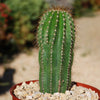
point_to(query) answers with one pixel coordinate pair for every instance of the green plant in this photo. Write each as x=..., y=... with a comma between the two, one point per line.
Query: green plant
x=56, y=36
x=25, y=15
x=85, y=7
x=6, y=41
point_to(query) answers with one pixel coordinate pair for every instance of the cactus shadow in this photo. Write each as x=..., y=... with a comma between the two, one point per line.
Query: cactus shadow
x=6, y=81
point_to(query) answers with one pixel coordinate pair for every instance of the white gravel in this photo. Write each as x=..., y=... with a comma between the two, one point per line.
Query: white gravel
x=31, y=92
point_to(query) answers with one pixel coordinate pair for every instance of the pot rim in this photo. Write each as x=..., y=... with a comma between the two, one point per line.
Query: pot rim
x=77, y=83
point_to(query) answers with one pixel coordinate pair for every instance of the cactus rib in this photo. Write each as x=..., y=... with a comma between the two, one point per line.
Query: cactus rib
x=56, y=36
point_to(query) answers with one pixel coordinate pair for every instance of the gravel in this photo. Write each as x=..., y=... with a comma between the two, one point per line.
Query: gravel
x=31, y=92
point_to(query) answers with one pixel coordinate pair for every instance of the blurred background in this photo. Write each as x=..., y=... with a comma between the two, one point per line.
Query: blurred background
x=18, y=40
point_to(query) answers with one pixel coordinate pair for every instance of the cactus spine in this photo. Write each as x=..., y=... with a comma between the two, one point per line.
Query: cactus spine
x=56, y=36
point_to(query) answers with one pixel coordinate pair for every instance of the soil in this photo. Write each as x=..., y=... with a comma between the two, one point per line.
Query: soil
x=86, y=66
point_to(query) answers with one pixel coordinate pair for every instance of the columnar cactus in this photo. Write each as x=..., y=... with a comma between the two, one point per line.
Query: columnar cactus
x=56, y=36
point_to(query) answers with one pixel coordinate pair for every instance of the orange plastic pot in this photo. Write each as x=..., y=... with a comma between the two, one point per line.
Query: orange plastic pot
x=77, y=83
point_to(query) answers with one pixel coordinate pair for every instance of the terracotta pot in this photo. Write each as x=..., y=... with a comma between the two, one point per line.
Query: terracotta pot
x=78, y=84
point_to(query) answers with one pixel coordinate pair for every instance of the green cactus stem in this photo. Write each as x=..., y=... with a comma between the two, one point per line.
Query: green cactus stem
x=56, y=36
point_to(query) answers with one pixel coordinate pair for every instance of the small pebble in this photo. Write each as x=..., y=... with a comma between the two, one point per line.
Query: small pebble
x=31, y=92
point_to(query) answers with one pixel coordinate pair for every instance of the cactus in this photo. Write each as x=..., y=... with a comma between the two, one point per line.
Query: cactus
x=56, y=36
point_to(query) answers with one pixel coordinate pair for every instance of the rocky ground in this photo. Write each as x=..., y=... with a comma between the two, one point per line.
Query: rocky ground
x=86, y=66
